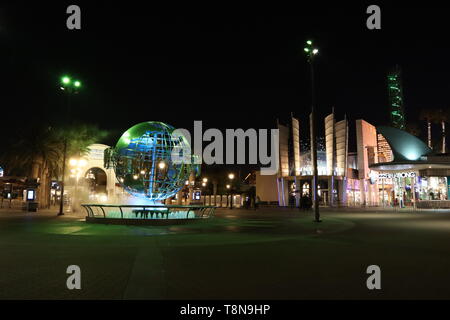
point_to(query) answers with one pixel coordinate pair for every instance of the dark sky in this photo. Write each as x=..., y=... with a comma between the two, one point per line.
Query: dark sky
x=141, y=63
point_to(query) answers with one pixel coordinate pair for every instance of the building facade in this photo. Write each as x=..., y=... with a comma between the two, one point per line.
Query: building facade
x=389, y=168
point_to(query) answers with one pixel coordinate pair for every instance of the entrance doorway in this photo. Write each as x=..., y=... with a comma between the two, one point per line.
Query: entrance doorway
x=96, y=180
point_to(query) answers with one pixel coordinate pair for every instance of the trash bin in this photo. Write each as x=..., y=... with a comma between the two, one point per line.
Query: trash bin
x=32, y=206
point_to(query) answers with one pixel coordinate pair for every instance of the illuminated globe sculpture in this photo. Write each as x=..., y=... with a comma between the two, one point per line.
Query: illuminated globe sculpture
x=143, y=161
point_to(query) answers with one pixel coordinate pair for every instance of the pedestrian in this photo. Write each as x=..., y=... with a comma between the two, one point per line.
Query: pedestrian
x=257, y=201
x=304, y=202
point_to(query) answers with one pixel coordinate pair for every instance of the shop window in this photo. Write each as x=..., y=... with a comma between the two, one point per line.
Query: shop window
x=305, y=189
x=433, y=188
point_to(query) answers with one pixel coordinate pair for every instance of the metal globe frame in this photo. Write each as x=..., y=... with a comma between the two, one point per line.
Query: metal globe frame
x=142, y=160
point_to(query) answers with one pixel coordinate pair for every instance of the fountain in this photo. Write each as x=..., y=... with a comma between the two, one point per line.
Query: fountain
x=143, y=162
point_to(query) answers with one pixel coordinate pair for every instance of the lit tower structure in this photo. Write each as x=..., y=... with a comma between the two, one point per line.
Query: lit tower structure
x=396, y=99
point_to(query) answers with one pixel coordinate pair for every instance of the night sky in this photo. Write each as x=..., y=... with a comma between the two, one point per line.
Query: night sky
x=142, y=63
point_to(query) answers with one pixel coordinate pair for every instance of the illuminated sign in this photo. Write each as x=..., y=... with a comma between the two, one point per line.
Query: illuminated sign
x=386, y=175
x=30, y=195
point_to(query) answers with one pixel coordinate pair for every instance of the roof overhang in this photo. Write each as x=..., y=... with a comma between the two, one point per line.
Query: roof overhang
x=407, y=166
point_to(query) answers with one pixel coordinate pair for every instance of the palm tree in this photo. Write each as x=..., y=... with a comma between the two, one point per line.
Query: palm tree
x=80, y=137
x=442, y=116
x=36, y=152
x=429, y=116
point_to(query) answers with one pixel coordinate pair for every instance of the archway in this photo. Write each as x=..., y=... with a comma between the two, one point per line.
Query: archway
x=96, y=181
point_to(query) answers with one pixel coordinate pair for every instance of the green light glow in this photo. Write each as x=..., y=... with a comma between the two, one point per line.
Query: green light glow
x=65, y=80
x=309, y=42
x=77, y=84
x=306, y=50
x=395, y=99
x=404, y=145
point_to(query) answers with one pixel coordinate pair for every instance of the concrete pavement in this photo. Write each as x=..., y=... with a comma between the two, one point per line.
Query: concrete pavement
x=271, y=253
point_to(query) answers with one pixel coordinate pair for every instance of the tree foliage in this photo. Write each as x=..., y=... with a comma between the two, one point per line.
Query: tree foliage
x=44, y=145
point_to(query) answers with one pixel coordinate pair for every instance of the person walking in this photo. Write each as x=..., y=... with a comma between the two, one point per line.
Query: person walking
x=257, y=201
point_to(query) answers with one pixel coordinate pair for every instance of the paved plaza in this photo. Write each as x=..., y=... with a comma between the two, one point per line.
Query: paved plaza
x=271, y=253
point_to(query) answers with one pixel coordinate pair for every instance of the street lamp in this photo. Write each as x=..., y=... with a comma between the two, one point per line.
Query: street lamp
x=69, y=87
x=204, y=183
x=228, y=190
x=65, y=80
x=311, y=52
x=231, y=177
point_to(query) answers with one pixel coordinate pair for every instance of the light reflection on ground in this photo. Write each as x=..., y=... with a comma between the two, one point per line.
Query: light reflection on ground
x=267, y=254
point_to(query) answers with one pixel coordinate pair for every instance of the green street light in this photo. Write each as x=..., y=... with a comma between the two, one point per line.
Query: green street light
x=310, y=50
x=69, y=87
x=310, y=53
x=65, y=80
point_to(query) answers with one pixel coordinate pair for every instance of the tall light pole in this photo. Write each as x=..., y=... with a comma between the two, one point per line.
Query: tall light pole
x=204, y=182
x=231, y=177
x=70, y=87
x=311, y=52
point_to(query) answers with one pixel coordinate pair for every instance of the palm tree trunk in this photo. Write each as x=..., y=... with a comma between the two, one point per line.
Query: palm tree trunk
x=37, y=170
x=443, y=136
x=429, y=134
x=42, y=191
x=214, y=192
x=45, y=188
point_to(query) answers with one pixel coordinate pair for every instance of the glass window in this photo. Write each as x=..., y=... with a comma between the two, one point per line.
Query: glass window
x=433, y=188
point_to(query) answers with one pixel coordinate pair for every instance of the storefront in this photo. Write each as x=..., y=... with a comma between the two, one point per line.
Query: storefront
x=353, y=192
x=433, y=188
x=424, y=185
x=417, y=176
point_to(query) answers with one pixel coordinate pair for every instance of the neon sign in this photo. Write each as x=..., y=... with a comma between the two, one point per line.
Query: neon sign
x=386, y=175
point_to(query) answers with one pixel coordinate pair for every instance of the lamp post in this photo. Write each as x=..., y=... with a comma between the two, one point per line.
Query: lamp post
x=70, y=87
x=204, y=182
x=231, y=177
x=311, y=52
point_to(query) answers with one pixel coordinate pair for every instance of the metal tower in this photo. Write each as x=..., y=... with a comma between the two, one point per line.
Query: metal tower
x=395, y=91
